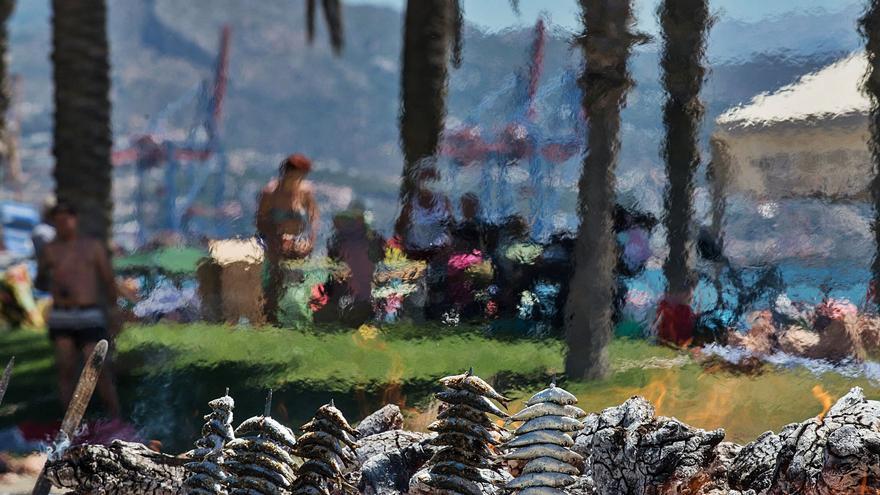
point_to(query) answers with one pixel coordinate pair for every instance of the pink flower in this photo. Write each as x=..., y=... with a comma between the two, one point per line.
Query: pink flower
x=393, y=304
x=461, y=262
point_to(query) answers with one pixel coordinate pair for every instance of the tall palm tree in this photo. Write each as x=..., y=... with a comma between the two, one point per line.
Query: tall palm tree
x=6, y=9
x=869, y=25
x=606, y=46
x=83, y=137
x=426, y=40
x=685, y=24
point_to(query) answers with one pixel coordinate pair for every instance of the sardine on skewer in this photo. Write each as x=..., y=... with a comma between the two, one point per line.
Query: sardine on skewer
x=471, y=399
x=334, y=415
x=561, y=423
x=464, y=426
x=547, y=409
x=546, y=450
x=555, y=437
x=549, y=465
x=553, y=394
x=472, y=383
x=260, y=445
x=207, y=473
x=328, y=447
x=265, y=426
x=327, y=440
x=552, y=480
x=453, y=482
x=541, y=490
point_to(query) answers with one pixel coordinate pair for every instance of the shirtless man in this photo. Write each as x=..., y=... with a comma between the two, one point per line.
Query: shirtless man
x=78, y=273
x=287, y=221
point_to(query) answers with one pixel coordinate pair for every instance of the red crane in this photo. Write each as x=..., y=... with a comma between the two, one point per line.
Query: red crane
x=201, y=150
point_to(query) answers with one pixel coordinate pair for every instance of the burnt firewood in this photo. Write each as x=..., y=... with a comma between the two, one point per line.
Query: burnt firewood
x=122, y=468
x=629, y=451
x=755, y=464
x=837, y=453
x=388, y=442
x=386, y=419
x=400, y=455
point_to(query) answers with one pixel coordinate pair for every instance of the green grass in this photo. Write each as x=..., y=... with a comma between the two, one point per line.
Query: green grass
x=335, y=361
x=167, y=373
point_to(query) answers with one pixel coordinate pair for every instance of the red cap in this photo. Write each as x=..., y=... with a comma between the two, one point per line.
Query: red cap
x=298, y=162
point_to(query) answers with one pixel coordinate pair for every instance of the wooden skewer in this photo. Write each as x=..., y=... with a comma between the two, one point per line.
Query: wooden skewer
x=77, y=408
x=267, y=412
x=4, y=382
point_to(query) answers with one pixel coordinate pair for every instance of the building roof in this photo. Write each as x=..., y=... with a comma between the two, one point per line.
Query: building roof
x=830, y=93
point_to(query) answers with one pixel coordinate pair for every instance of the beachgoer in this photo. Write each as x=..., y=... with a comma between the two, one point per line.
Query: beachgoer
x=360, y=248
x=467, y=234
x=43, y=232
x=79, y=277
x=424, y=226
x=514, y=262
x=633, y=229
x=287, y=222
x=468, y=255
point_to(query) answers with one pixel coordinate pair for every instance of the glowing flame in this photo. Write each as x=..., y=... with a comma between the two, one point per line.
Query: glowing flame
x=655, y=392
x=863, y=486
x=825, y=398
x=369, y=337
x=713, y=411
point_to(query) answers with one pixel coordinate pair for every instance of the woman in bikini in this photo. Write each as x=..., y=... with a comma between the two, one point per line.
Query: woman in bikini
x=287, y=222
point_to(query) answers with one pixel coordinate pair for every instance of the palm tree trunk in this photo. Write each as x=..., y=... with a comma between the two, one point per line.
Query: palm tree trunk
x=606, y=47
x=423, y=85
x=83, y=136
x=685, y=24
x=870, y=27
x=7, y=141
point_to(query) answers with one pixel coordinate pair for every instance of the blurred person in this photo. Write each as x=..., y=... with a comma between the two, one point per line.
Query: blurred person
x=633, y=229
x=360, y=248
x=514, y=260
x=424, y=226
x=78, y=274
x=43, y=232
x=287, y=222
x=467, y=234
x=468, y=256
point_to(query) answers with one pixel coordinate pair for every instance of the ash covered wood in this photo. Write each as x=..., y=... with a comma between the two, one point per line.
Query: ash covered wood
x=627, y=451
x=837, y=453
x=630, y=451
x=121, y=468
x=386, y=419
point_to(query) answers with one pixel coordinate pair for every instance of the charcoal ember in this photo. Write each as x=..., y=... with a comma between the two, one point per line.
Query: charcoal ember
x=259, y=459
x=121, y=468
x=543, y=443
x=388, y=418
x=206, y=475
x=327, y=446
x=465, y=459
x=629, y=451
x=838, y=453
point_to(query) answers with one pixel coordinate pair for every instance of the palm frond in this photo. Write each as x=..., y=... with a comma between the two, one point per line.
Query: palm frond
x=514, y=4
x=333, y=16
x=457, y=18
x=310, y=20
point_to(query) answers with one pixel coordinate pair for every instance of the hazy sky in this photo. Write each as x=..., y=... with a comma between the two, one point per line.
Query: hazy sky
x=497, y=14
